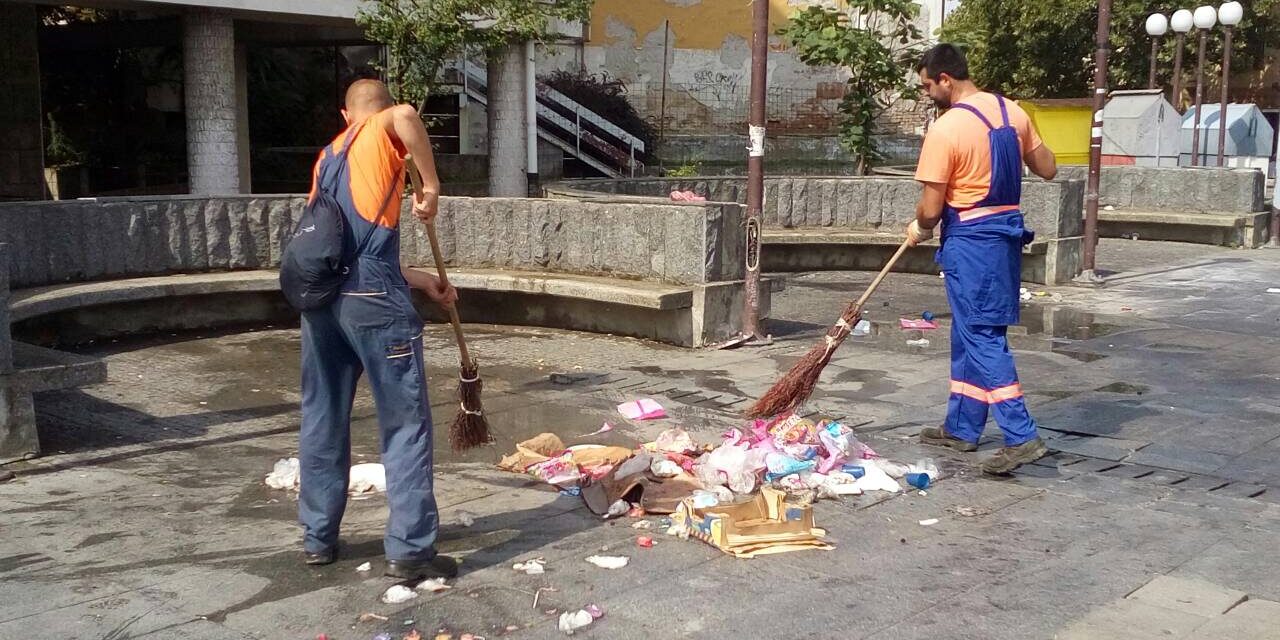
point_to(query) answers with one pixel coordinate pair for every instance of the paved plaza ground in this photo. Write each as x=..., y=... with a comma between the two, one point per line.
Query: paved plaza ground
x=1157, y=518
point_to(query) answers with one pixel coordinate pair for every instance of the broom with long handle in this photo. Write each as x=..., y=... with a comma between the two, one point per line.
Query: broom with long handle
x=470, y=428
x=796, y=387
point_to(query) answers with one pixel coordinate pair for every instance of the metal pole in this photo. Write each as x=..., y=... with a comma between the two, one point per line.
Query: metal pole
x=1195, y=131
x=1155, y=51
x=1222, y=109
x=662, y=111
x=1176, y=98
x=1095, y=143
x=755, y=167
x=531, y=117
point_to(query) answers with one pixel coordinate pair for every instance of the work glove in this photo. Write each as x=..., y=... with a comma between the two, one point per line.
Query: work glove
x=917, y=234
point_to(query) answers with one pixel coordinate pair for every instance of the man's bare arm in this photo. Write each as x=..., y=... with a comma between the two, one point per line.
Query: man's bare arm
x=932, y=199
x=406, y=126
x=1042, y=162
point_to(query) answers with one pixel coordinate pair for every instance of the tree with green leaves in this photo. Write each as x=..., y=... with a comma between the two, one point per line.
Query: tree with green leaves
x=1044, y=48
x=877, y=41
x=423, y=35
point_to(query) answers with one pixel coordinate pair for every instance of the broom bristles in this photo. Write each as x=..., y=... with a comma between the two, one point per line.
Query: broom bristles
x=470, y=428
x=793, y=389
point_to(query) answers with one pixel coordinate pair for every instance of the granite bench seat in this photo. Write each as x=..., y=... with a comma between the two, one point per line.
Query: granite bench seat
x=79, y=311
x=1050, y=261
x=1247, y=230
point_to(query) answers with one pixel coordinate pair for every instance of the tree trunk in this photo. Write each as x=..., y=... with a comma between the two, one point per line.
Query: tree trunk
x=506, y=114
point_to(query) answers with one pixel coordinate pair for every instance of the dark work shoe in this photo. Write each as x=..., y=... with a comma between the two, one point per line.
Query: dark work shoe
x=320, y=557
x=939, y=437
x=1009, y=458
x=437, y=567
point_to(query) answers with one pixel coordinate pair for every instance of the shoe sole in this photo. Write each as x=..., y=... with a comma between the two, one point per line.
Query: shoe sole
x=1040, y=452
x=957, y=445
x=420, y=574
x=330, y=559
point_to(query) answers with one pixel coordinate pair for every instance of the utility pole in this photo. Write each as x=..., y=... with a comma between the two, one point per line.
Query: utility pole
x=1089, y=275
x=755, y=171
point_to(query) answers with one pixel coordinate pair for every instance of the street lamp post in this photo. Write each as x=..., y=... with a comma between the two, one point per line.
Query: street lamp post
x=1205, y=18
x=1181, y=23
x=1157, y=26
x=1229, y=14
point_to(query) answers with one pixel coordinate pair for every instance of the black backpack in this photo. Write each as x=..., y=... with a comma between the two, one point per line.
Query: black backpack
x=314, y=263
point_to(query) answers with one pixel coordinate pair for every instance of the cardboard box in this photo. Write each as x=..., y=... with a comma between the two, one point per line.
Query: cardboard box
x=767, y=524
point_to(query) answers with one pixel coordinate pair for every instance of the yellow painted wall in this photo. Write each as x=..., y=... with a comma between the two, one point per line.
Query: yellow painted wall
x=700, y=25
x=1065, y=129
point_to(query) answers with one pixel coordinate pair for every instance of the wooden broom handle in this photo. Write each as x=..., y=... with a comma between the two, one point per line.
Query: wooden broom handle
x=906, y=244
x=416, y=179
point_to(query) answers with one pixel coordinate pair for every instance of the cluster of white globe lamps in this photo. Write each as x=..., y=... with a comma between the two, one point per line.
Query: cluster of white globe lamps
x=1204, y=18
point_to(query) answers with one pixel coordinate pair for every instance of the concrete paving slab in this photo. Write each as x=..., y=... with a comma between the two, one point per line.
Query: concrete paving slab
x=1197, y=597
x=1250, y=620
x=1132, y=620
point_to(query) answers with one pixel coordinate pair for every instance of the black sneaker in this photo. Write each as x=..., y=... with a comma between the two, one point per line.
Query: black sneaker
x=1009, y=458
x=437, y=567
x=939, y=437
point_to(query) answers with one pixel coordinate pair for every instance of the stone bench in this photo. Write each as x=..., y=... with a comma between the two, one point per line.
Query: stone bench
x=793, y=250
x=840, y=223
x=661, y=271
x=78, y=312
x=1249, y=231
x=27, y=369
x=1204, y=205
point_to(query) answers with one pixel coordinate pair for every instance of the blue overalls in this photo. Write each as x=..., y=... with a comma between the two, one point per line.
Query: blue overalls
x=371, y=327
x=981, y=256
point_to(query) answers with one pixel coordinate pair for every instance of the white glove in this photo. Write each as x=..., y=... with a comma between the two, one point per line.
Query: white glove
x=917, y=234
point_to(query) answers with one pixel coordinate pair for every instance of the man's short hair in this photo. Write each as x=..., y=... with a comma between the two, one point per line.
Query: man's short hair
x=368, y=96
x=944, y=58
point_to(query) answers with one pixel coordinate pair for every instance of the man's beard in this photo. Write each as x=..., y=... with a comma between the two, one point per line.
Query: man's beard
x=941, y=103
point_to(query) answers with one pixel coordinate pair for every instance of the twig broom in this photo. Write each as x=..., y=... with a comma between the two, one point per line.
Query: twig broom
x=796, y=387
x=470, y=429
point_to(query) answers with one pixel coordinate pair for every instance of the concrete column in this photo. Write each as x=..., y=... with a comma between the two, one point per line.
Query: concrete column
x=6, y=344
x=507, y=153
x=209, y=73
x=21, y=138
x=18, y=438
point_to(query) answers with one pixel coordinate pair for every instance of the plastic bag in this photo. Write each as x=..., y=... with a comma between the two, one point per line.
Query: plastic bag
x=780, y=466
x=674, y=440
x=558, y=471
x=284, y=475
x=874, y=478
x=895, y=469
x=664, y=468
x=792, y=429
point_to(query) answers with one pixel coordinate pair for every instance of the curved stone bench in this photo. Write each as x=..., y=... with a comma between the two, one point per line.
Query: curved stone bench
x=81, y=311
x=657, y=270
x=790, y=250
x=841, y=222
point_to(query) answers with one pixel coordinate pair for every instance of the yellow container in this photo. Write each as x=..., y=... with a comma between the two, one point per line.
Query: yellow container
x=1063, y=125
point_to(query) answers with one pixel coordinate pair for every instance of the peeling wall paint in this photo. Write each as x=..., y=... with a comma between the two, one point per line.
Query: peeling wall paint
x=708, y=65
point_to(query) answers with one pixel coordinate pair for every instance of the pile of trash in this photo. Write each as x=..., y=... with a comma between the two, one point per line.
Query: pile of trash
x=770, y=470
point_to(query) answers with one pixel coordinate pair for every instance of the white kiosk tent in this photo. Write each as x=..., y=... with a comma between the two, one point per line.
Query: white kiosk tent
x=1249, y=137
x=1141, y=128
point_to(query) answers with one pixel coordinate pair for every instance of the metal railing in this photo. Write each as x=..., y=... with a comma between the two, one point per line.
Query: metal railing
x=575, y=129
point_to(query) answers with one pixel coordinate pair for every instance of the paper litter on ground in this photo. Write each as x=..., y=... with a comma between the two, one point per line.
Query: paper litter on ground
x=642, y=409
x=398, y=594
x=433, y=585
x=609, y=562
